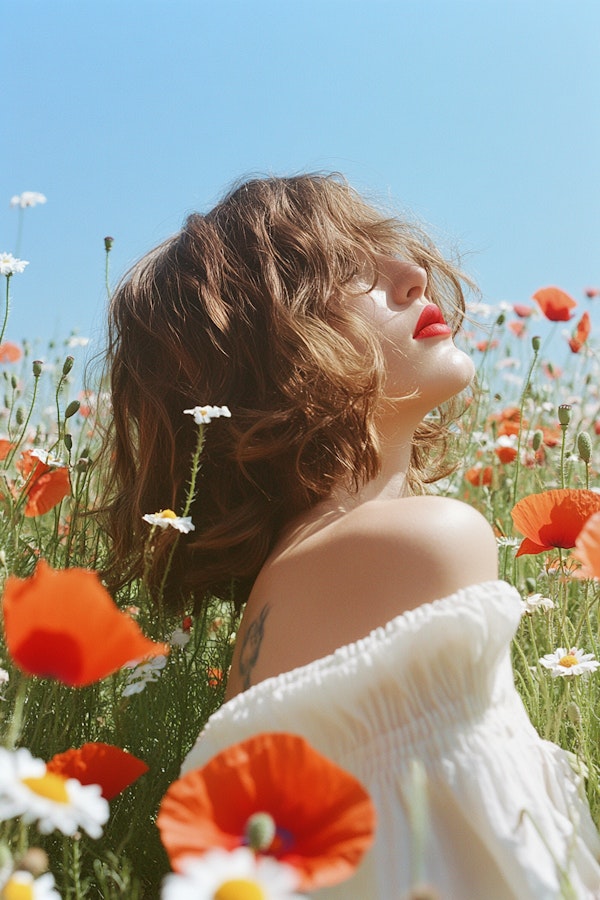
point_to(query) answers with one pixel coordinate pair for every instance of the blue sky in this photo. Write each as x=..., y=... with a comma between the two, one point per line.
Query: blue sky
x=479, y=117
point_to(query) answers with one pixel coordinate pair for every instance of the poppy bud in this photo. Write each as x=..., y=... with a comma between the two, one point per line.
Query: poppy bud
x=13, y=382
x=68, y=442
x=260, y=831
x=37, y=368
x=68, y=364
x=538, y=437
x=584, y=446
x=564, y=414
x=530, y=585
x=7, y=401
x=108, y=242
x=72, y=408
x=536, y=342
x=20, y=415
x=501, y=319
x=82, y=464
x=573, y=713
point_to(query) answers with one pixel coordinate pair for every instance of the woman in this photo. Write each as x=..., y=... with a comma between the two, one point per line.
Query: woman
x=374, y=624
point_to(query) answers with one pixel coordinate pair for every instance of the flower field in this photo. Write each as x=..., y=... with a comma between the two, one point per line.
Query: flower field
x=102, y=697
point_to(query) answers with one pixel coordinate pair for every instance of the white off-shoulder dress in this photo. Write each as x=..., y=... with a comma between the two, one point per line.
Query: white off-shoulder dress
x=505, y=812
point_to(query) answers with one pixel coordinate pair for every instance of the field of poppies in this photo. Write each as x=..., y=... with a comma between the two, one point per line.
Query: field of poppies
x=100, y=698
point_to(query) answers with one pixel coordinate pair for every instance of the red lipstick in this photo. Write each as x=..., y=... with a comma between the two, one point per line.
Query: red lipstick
x=431, y=324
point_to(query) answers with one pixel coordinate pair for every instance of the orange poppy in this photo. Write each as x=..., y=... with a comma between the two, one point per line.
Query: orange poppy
x=479, y=475
x=587, y=547
x=551, y=371
x=551, y=436
x=63, y=624
x=10, y=352
x=522, y=310
x=555, y=304
x=506, y=454
x=96, y=763
x=486, y=345
x=45, y=485
x=581, y=333
x=324, y=819
x=553, y=518
x=5, y=448
x=518, y=328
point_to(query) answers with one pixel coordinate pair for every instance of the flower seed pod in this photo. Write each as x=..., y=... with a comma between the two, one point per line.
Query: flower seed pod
x=584, y=446
x=37, y=367
x=68, y=442
x=68, y=365
x=536, y=342
x=260, y=831
x=564, y=414
x=108, y=242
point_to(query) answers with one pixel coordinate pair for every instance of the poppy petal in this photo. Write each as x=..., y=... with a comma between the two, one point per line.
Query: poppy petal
x=64, y=624
x=47, y=491
x=111, y=767
x=554, y=518
x=587, y=547
x=324, y=818
x=530, y=548
x=555, y=304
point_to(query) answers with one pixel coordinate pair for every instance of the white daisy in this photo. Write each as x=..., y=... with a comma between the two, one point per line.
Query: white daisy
x=237, y=875
x=565, y=662
x=166, y=518
x=48, y=458
x=203, y=414
x=143, y=673
x=23, y=886
x=28, y=790
x=534, y=602
x=9, y=265
x=27, y=198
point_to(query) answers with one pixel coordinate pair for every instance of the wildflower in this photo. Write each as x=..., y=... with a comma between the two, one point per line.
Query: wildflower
x=166, y=518
x=23, y=886
x=482, y=346
x=96, y=763
x=239, y=873
x=555, y=304
x=479, y=475
x=587, y=547
x=592, y=292
x=534, y=602
x=29, y=790
x=564, y=663
x=517, y=327
x=553, y=518
x=179, y=638
x=323, y=818
x=47, y=481
x=27, y=198
x=10, y=352
x=203, y=414
x=53, y=621
x=522, y=310
x=215, y=676
x=504, y=541
x=143, y=674
x=9, y=265
x=506, y=448
x=581, y=333
x=77, y=341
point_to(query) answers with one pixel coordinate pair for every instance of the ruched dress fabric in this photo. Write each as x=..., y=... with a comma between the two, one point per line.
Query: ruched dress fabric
x=505, y=813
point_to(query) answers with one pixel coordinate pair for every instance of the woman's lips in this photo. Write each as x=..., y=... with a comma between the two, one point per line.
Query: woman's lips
x=431, y=324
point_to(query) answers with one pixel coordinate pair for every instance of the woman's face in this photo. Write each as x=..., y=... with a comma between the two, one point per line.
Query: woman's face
x=422, y=362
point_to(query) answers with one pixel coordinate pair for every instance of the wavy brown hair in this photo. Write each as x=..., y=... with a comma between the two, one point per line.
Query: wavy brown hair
x=245, y=307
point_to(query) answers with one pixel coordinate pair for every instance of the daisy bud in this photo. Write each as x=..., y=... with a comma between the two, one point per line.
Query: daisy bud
x=68, y=442
x=35, y=861
x=536, y=342
x=584, y=446
x=573, y=713
x=108, y=242
x=37, y=368
x=20, y=415
x=260, y=831
x=538, y=437
x=72, y=408
x=564, y=414
x=68, y=364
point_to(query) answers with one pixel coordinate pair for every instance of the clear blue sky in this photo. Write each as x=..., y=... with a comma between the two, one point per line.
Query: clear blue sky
x=480, y=116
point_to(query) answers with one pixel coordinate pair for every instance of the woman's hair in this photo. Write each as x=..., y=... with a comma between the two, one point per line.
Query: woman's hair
x=245, y=307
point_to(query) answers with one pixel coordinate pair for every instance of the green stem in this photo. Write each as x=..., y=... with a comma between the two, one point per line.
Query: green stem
x=521, y=408
x=17, y=443
x=6, y=308
x=16, y=720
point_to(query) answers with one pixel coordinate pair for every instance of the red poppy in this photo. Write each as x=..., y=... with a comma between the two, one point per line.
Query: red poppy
x=45, y=485
x=63, y=624
x=506, y=454
x=479, y=475
x=587, y=547
x=323, y=817
x=215, y=676
x=551, y=436
x=555, y=304
x=597, y=426
x=486, y=345
x=10, y=352
x=581, y=333
x=522, y=310
x=5, y=448
x=553, y=518
x=517, y=328
x=96, y=763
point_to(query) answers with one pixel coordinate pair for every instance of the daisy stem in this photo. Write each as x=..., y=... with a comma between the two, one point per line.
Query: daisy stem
x=536, y=351
x=16, y=719
x=6, y=308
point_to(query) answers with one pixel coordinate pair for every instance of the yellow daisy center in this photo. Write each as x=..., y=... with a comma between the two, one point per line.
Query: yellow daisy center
x=51, y=786
x=569, y=660
x=239, y=889
x=16, y=890
x=167, y=514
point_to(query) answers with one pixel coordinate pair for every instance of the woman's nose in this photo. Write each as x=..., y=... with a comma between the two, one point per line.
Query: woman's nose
x=407, y=281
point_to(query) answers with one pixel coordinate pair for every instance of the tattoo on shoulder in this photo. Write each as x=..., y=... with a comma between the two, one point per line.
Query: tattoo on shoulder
x=251, y=646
